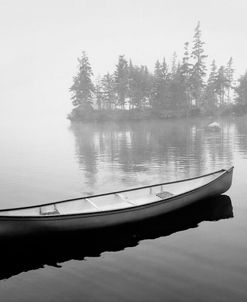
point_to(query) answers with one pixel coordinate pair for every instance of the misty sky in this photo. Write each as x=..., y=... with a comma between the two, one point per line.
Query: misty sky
x=41, y=39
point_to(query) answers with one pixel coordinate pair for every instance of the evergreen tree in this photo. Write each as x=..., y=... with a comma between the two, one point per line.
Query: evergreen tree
x=229, y=78
x=186, y=66
x=108, y=94
x=210, y=96
x=158, y=87
x=174, y=65
x=121, y=81
x=165, y=82
x=139, y=86
x=131, y=84
x=147, y=84
x=185, y=72
x=177, y=92
x=99, y=93
x=165, y=70
x=83, y=88
x=160, y=97
x=135, y=87
x=212, y=79
x=221, y=83
x=241, y=91
x=199, y=68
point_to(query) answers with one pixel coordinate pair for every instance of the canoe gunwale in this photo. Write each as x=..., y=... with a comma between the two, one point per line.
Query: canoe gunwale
x=121, y=210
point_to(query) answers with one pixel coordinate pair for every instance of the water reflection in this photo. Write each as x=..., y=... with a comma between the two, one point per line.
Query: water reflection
x=163, y=150
x=34, y=254
x=86, y=151
x=241, y=142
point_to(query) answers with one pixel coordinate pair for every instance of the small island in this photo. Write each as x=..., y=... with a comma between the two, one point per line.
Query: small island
x=183, y=88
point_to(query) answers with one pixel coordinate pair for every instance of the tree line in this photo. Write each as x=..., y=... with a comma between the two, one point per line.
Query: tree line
x=181, y=88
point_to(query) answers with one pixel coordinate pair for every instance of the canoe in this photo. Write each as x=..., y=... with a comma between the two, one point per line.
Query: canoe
x=115, y=208
x=36, y=252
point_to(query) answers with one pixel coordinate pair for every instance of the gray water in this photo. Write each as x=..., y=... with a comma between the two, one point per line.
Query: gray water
x=198, y=254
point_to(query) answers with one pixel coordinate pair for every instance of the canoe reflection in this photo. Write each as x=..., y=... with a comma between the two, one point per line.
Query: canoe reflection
x=20, y=255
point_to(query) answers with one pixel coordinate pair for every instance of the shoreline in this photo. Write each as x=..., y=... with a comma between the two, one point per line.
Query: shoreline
x=78, y=115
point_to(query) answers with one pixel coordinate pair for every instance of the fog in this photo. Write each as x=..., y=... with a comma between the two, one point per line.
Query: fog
x=41, y=40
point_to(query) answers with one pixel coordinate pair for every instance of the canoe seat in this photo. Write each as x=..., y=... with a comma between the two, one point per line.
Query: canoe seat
x=164, y=195
x=144, y=200
x=49, y=210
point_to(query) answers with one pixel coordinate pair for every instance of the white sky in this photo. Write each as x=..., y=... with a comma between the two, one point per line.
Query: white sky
x=41, y=40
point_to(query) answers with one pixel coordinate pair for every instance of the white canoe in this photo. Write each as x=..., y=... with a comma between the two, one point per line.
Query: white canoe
x=115, y=208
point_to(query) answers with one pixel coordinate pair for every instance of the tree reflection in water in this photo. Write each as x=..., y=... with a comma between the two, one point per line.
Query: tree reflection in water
x=144, y=151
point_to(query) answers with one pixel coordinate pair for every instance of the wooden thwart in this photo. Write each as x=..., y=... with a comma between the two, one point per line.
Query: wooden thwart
x=164, y=195
x=92, y=203
x=124, y=199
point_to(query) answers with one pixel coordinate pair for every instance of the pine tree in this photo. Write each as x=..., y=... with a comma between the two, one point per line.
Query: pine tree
x=229, y=78
x=241, y=91
x=199, y=68
x=83, y=88
x=165, y=70
x=221, y=83
x=177, y=92
x=136, y=89
x=174, y=65
x=158, y=87
x=121, y=81
x=185, y=72
x=186, y=66
x=139, y=86
x=131, y=84
x=99, y=93
x=108, y=94
x=147, y=83
x=210, y=96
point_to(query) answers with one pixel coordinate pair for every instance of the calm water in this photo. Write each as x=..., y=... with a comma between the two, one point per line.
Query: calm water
x=198, y=254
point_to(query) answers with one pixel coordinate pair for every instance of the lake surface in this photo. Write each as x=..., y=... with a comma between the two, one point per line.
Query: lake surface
x=197, y=254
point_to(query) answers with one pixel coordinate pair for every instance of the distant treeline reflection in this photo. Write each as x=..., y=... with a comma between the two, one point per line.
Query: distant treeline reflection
x=156, y=148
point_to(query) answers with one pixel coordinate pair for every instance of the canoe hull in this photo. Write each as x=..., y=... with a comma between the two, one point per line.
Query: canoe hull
x=23, y=226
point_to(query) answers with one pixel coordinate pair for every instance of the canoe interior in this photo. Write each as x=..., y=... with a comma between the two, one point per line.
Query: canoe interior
x=114, y=201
